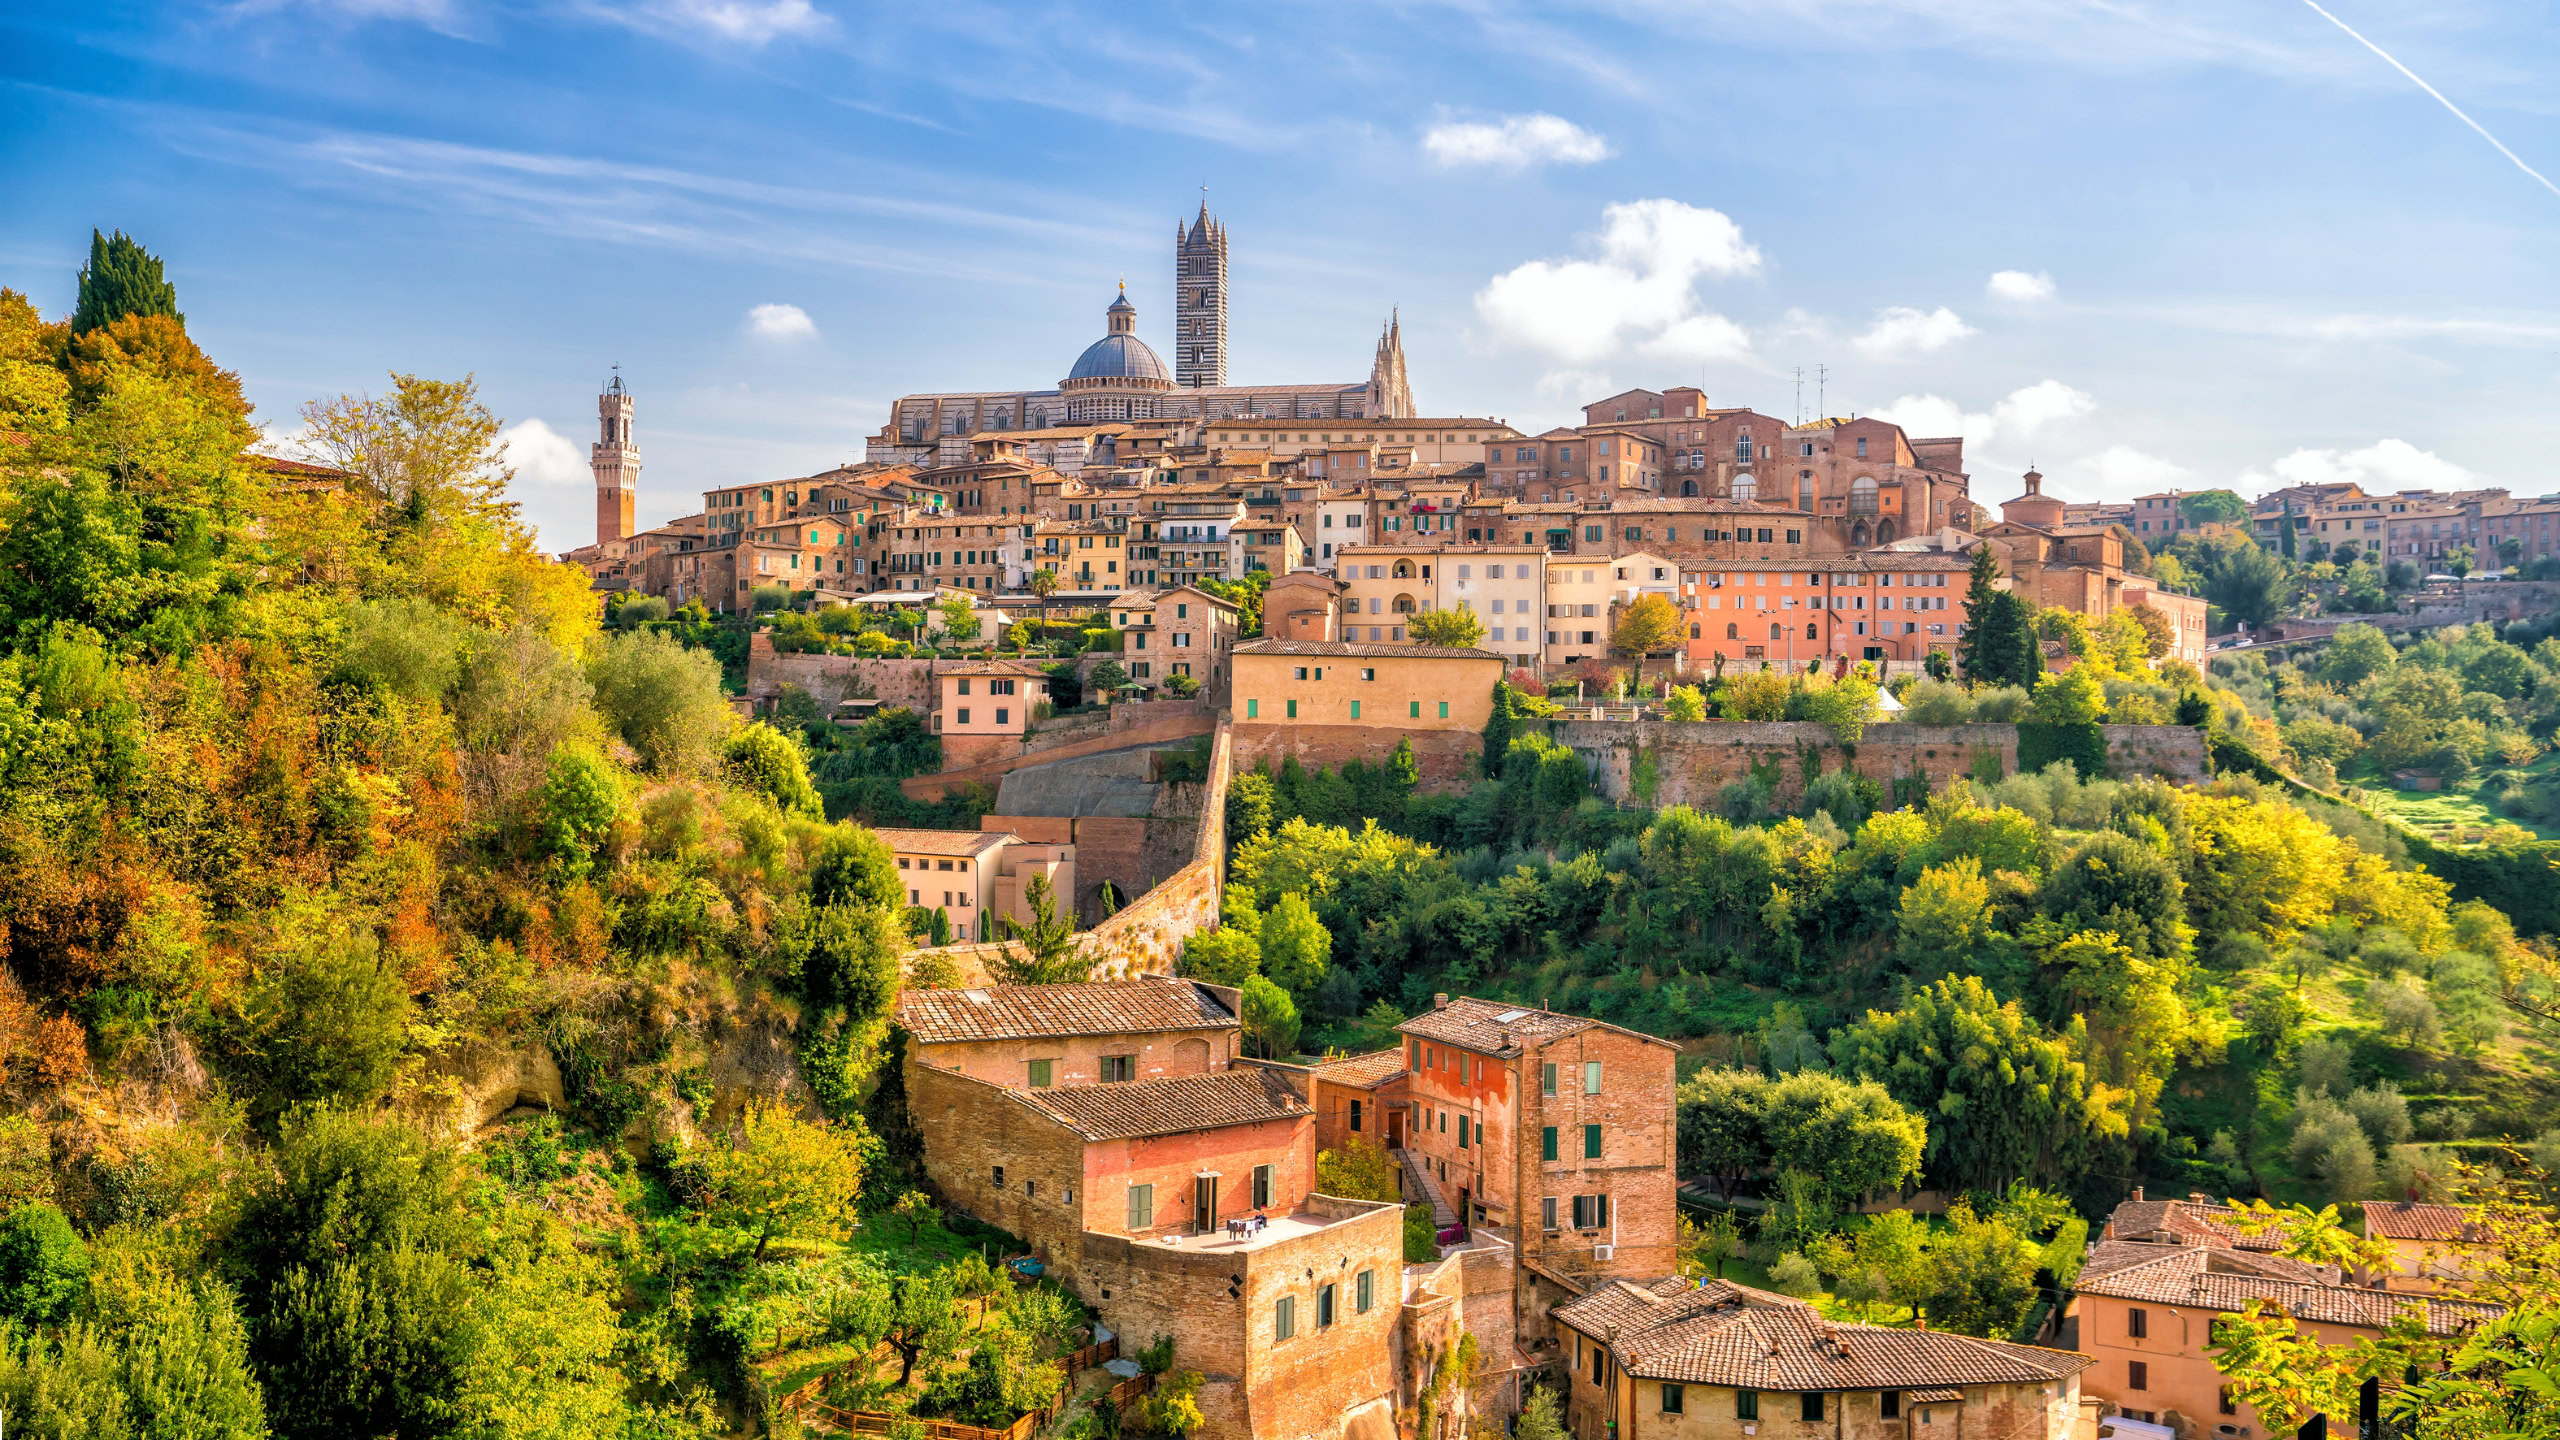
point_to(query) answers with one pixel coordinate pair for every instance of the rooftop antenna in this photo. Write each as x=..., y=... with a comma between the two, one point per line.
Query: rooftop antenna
x=1821, y=389
x=1799, y=395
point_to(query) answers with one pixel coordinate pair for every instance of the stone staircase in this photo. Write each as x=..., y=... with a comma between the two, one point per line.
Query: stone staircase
x=1419, y=1183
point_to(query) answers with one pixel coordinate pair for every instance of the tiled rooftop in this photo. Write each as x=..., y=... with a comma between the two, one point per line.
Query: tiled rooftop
x=1494, y=1027
x=1022, y=1012
x=1365, y=1071
x=1345, y=648
x=1713, y=1332
x=2409, y=1220
x=944, y=842
x=2214, y=1278
x=1170, y=1107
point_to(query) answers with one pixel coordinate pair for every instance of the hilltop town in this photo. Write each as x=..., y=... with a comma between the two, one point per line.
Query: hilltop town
x=1158, y=907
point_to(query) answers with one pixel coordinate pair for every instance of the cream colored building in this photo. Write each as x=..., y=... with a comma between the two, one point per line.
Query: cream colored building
x=1583, y=598
x=974, y=876
x=1503, y=585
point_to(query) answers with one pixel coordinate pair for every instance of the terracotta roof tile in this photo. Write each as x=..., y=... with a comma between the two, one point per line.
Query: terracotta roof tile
x=1365, y=1071
x=1719, y=1333
x=1491, y=1027
x=1022, y=1012
x=944, y=842
x=2409, y=1220
x=1169, y=1107
x=2216, y=1278
x=1348, y=648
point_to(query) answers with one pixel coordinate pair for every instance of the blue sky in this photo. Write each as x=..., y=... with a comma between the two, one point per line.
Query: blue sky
x=2232, y=245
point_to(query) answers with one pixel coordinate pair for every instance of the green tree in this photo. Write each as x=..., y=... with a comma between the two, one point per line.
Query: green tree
x=2014, y=1101
x=1541, y=1417
x=429, y=451
x=1684, y=703
x=662, y=697
x=121, y=279
x=1717, y=1121
x=1044, y=583
x=1649, y=625
x=1944, y=919
x=323, y=1017
x=765, y=761
x=1295, y=947
x=854, y=866
x=2213, y=507
x=923, y=1322
x=1459, y=628
x=44, y=1265
x=1270, y=1019
x=1982, y=1274
x=582, y=795
x=2459, y=560
x=783, y=1175
x=2072, y=697
x=960, y=619
x=1046, y=951
x=2250, y=585
x=1358, y=1169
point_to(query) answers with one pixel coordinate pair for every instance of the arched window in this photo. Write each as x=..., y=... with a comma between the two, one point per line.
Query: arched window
x=1804, y=490
x=1812, y=631
x=1693, y=632
x=1688, y=487
x=1732, y=632
x=1884, y=532
x=1404, y=605
x=1775, y=633
x=1742, y=448
x=1858, y=534
x=1862, y=495
x=1404, y=569
x=1745, y=488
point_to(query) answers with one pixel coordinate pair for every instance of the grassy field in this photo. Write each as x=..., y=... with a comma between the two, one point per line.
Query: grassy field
x=2453, y=814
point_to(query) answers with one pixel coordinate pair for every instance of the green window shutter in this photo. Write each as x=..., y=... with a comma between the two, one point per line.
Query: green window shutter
x=1142, y=1207
x=1444, y=709
x=1547, y=1079
x=1355, y=709
x=1253, y=709
x=1590, y=1142
x=1293, y=709
x=1040, y=1074
x=1591, y=1077
x=1413, y=710
x=1462, y=1132
x=1547, y=1143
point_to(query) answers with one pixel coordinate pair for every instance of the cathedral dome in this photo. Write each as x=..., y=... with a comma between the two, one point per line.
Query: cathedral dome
x=1120, y=357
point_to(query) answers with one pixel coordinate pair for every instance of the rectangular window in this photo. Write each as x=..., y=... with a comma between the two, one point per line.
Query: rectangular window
x=1547, y=1213
x=1355, y=1117
x=1040, y=1074
x=999, y=1177
x=1746, y=1404
x=2137, y=1376
x=1462, y=1132
x=1142, y=1207
x=1119, y=1067
x=1262, y=1187
x=1364, y=1291
x=1671, y=1398
x=2137, y=1322
x=1813, y=1405
x=2229, y=1406
x=1590, y=1077
x=1416, y=1064
x=1547, y=1079
x=1590, y=1142
x=1547, y=1143
x=1284, y=1317
x=1889, y=1404
x=1324, y=1307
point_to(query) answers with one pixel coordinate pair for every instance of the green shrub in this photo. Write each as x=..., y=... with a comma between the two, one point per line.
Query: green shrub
x=1421, y=1238
x=2042, y=743
x=44, y=1265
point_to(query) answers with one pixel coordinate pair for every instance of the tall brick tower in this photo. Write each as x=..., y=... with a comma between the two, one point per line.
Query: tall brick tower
x=1200, y=301
x=615, y=458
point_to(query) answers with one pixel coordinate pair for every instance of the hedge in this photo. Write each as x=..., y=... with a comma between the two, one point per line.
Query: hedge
x=2519, y=879
x=2083, y=743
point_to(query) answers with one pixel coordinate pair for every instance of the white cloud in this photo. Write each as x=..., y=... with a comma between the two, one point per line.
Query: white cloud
x=1901, y=332
x=2123, y=470
x=1516, y=142
x=781, y=322
x=748, y=22
x=2019, y=286
x=1576, y=386
x=543, y=456
x=2383, y=466
x=2016, y=416
x=2026, y=411
x=1699, y=339
x=1642, y=286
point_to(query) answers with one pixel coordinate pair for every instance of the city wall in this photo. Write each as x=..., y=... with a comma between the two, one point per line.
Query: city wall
x=1667, y=762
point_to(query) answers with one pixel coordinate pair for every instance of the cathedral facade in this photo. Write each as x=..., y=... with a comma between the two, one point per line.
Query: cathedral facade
x=1121, y=377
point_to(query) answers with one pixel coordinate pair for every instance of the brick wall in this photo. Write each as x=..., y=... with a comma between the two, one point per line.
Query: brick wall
x=1074, y=1058
x=1707, y=1412
x=1446, y=758
x=972, y=1127
x=1146, y=936
x=1693, y=762
x=1637, y=1166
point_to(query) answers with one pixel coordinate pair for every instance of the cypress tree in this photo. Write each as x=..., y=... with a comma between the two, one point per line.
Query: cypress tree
x=1979, y=603
x=121, y=279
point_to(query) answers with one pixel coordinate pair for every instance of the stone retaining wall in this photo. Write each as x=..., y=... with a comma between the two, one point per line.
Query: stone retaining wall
x=1690, y=762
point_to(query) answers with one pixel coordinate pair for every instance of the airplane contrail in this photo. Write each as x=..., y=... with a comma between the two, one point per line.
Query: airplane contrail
x=2438, y=94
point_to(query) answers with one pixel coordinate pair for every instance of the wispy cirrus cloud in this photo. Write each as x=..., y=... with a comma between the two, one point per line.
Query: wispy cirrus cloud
x=1515, y=142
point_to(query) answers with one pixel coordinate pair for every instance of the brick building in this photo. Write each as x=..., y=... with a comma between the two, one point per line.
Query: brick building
x=1555, y=1129
x=1710, y=1360
x=1504, y=585
x=1325, y=702
x=1123, y=1186
x=1363, y=1097
x=1181, y=631
x=2438, y=1246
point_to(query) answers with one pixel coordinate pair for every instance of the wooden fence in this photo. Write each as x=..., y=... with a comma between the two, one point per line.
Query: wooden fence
x=805, y=1403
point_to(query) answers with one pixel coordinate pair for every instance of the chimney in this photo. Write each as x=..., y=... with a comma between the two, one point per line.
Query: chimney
x=1919, y=1324
x=1440, y=1000
x=2137, y=1192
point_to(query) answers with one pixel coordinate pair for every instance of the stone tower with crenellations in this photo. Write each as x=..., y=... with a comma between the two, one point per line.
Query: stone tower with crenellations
x=1200, y=302
x=615, y=458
